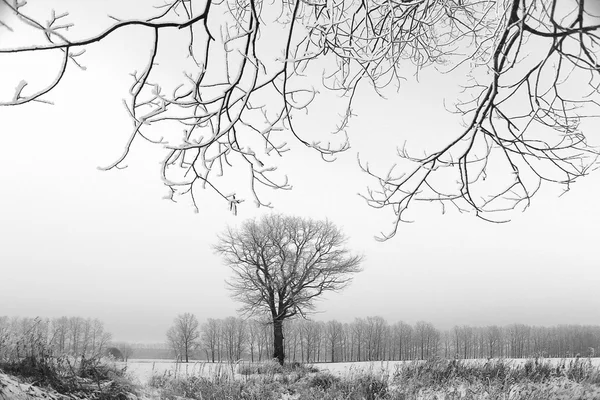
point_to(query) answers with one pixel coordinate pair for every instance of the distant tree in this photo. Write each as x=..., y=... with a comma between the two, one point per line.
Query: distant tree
x=399, y=333
x=334, y=331
x=309, y=333
x=291, y=333
x=183, y=336
x=126, y=350
x=281, y=265
x=493, y=335
x=375, y=330
x=254, y=330
x=98, y=338
x=358, y=335
x=464, y=335
x=319, y=331
x=447, y=343
x=211, y=332
x=75, y=328
x=59, y=332
x=346, y=342
x=234, y=334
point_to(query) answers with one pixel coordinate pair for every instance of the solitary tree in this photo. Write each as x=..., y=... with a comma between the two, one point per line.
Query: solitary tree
x=282, y=264
x=184, y=335
x=250, y=66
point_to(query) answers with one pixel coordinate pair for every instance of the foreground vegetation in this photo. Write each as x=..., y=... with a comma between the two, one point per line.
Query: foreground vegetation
x=65, y=356
x=434, y=379
x=535, y=379
x=67, y=377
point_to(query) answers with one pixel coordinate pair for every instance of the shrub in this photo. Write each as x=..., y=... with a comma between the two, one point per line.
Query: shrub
x=372, y=387
x=67, y=375
x=323, y=380
x=114, y=353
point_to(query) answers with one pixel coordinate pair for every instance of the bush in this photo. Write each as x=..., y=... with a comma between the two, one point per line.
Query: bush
x=372, y=387
x=323, y=380
x=67, y=375
x=115, y=353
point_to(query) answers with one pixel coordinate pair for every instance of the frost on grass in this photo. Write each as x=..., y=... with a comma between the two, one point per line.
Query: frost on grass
x=412, y=380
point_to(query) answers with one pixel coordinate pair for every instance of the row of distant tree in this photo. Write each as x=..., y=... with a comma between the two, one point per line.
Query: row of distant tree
x=22, y=337
x=364, y=339
x=373, y=339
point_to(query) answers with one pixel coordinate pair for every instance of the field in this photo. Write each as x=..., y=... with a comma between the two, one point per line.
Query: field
x=143, y=370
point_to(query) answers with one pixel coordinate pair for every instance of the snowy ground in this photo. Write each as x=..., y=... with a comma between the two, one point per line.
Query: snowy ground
x=13, y=389
x=144, y=369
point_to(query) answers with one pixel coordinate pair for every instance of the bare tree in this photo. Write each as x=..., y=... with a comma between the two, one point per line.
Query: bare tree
x=534, y=76
x=234, y=332
x=309, y=336
x=183, y=336
x=60, y=329
x=358, y=335
x=76, y=328
x=493, y=335
x=254, y=329
x=281, y=265
x=211, y=332
x=334, y=332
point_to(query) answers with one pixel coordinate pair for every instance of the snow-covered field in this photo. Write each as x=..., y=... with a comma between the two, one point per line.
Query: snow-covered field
x=144, y=369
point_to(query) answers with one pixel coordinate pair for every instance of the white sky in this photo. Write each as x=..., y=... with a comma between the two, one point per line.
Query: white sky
x=78, y=241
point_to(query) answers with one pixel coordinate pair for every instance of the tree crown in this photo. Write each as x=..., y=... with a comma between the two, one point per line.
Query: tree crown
x=282, y=264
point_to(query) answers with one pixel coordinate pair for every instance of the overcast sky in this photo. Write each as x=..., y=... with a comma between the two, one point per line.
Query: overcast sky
x=78, y=241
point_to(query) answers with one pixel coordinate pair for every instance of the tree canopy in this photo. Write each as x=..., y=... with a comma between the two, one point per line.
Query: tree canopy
x=250, y=68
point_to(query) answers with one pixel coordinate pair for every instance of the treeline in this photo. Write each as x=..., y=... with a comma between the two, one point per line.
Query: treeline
x=364, y=339
x=76, y=336
x=374, y=339
x=145, y=350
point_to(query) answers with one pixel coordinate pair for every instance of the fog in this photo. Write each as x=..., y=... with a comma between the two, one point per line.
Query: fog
x=75, y=240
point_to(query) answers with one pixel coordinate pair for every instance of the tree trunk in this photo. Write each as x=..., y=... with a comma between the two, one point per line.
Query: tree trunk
x=278, y=351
